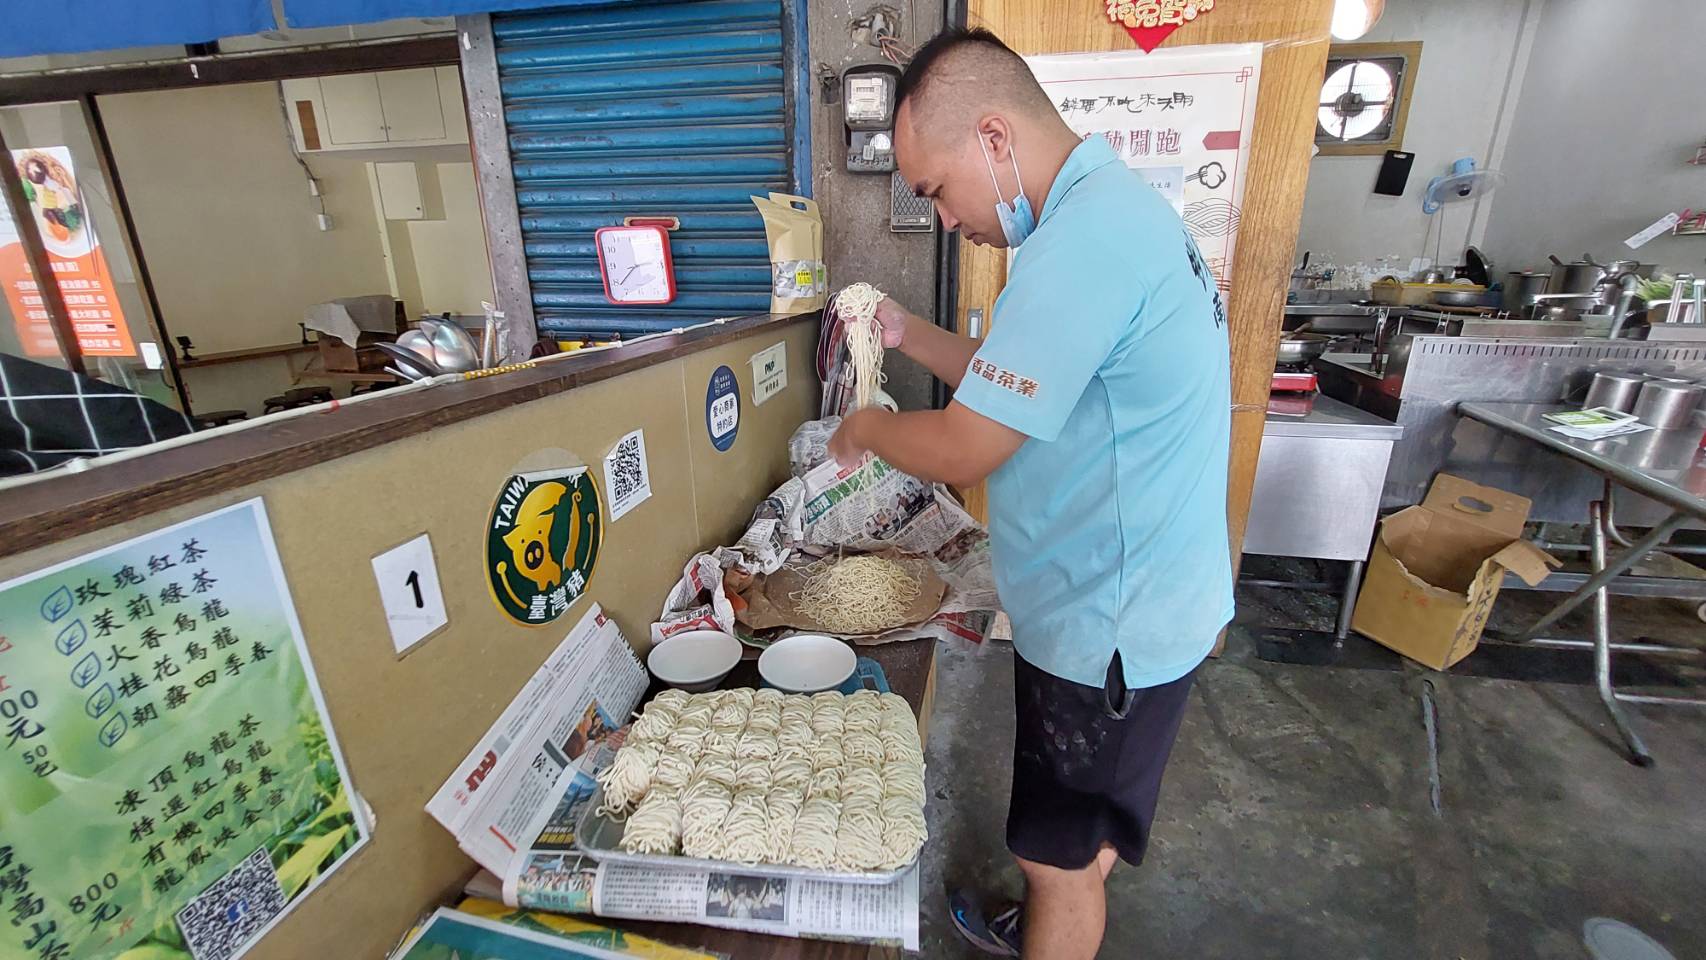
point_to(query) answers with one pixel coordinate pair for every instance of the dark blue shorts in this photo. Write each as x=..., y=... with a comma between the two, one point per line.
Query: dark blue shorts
x=1087, y=764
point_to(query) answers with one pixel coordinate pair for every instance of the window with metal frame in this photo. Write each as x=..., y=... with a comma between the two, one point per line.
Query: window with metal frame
x=652, y=109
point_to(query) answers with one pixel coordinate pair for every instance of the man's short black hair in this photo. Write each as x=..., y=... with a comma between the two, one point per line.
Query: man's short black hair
x=975, y=69
x=933, y=50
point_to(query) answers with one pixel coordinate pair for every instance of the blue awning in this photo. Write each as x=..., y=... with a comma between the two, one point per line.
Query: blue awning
x=79, y=26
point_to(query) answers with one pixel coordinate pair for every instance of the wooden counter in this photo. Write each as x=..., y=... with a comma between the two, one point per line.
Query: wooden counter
x=911, y=670
x=344, y=484
x=61, y=505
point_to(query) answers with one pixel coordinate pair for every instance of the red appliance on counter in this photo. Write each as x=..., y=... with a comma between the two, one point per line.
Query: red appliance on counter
x=1292, y=393
x=1294, y=381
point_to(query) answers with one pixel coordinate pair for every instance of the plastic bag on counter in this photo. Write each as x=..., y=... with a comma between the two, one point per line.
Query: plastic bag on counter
x=809, y=446
x=700, y=599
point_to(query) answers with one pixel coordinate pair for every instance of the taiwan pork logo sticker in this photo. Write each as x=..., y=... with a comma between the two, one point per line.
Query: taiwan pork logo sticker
x=542, y=543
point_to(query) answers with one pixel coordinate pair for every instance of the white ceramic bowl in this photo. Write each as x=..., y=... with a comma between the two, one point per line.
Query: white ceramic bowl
x=807, y=663
x=694, y=661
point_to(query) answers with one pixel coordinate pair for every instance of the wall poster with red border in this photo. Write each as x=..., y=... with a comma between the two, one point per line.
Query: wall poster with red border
x=1180, y=116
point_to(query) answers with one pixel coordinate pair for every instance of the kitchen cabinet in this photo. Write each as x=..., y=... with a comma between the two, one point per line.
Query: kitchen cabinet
x=413, y=110
x=399, y=191
x=354, y=114
x=376, y=111
x=1318, y=485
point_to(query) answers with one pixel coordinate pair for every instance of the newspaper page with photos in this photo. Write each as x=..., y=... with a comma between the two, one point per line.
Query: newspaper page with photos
x=825, y=507
x=798, y=908
x=506, y=789
x=795, y=907
x=550, y=873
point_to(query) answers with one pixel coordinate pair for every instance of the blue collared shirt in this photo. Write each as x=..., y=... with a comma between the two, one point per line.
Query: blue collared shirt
x=1109, y=351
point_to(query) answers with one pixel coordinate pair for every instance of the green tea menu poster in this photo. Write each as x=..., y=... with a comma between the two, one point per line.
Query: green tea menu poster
x=169, y=782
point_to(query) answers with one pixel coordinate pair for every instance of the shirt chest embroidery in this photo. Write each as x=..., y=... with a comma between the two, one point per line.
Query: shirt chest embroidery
x=1004, y=378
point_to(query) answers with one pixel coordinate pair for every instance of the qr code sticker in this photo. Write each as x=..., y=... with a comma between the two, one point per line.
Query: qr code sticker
x=219, y=923
x=630, y=471
x=625, y=474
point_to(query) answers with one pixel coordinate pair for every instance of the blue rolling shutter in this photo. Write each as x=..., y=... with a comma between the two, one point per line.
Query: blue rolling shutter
x=647, y=108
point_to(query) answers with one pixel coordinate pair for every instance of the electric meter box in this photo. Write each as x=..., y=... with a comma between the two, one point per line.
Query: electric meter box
x=867, y=110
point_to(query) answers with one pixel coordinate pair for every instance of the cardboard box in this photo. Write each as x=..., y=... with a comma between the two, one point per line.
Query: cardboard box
x=339, y=357
x=1437, y=567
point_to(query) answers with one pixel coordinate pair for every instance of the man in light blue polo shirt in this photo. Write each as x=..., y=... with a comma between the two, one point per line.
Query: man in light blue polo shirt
x=1099, y=411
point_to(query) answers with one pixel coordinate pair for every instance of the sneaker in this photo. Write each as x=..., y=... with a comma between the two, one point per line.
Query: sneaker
x=998, y=934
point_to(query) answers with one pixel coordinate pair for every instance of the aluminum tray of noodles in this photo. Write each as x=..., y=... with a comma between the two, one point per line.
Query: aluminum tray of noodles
x=600, y=837
x=826, y=786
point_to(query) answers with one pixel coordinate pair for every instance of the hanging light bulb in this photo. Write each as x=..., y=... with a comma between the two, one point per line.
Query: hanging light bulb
x=1354, y=18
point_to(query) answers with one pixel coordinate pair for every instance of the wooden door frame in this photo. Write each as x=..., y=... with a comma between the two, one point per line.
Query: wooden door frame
x=372, y=56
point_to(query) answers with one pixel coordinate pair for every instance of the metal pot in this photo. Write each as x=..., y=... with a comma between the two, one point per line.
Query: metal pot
x=1615, y=390
x=1461, y=298
x=1521, y=287
x=1618, y=269
x=1579, y=276
x=1301, y=347
x=1557, y=310
x=1667, y=404
x=1477, y=267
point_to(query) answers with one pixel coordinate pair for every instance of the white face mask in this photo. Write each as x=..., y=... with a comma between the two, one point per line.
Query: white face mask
x=1016, y=218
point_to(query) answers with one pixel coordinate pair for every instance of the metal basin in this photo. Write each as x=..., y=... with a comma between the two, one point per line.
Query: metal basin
x=1301, y=347
x=1463, y=298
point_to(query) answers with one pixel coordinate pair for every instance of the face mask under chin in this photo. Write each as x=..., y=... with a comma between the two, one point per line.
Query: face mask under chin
x=1015, y=217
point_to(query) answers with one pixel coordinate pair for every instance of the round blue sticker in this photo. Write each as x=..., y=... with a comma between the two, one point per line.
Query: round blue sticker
x=722, y=408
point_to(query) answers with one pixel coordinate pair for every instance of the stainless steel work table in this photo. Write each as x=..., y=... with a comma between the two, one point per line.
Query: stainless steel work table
x=1333, y=419
x=1317, y=490
x=1665, y=466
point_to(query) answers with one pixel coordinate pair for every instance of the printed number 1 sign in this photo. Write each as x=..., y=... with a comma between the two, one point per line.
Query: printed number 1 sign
x=408, y=589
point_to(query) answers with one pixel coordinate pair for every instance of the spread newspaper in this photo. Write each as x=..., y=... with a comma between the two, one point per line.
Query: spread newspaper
x=825, y=507
x=507, y=787
x=513, y=804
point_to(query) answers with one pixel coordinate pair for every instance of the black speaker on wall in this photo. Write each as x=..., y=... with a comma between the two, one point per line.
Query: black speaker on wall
x=1394, y=173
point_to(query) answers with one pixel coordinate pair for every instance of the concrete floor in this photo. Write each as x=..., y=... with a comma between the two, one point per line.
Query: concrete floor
x=1295, y=819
